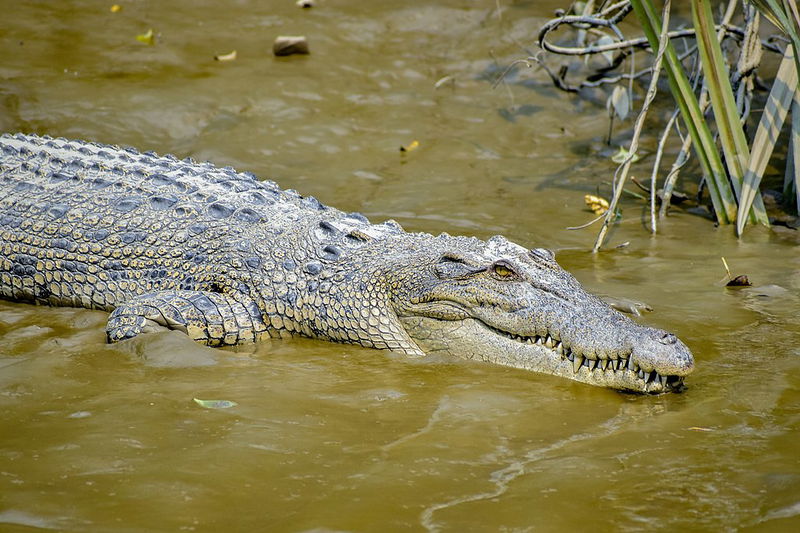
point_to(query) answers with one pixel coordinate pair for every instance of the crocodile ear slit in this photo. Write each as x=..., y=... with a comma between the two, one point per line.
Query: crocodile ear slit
x=454, y=266
x=450, y=257
x=542, y=254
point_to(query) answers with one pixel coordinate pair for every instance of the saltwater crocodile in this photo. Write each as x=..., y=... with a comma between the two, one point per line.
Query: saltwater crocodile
x=229, y=259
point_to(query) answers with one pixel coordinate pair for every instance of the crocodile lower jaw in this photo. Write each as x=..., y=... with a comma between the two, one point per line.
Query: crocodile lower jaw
x=599, y=371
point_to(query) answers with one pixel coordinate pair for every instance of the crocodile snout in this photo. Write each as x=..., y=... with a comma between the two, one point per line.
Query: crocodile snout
x=663, y=352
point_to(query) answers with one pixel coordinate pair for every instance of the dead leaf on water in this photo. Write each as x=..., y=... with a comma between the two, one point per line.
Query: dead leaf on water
x=116, y=8
x=413, y=145
x=147, y=38
x=597, y=204
x=226, y=57
x=215, y=404
x=697, y=428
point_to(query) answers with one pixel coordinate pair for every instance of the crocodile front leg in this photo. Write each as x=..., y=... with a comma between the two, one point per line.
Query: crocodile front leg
x=210, y=318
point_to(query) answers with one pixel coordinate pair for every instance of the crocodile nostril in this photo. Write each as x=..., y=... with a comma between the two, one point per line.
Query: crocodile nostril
x=668, y=338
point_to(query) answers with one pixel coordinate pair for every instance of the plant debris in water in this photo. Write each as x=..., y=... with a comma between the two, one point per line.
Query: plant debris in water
x=226, y=57
x=622, y=155
x=215, y=404
x=413, y=145
x=286, y=45
x=738, y=281
x=147, y=38
x=597, y=204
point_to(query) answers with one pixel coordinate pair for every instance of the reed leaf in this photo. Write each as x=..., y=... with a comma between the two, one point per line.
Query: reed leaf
x=784, y=89
x=722, y=196
x=793, y=170
x=726, y=113
x=785, y=16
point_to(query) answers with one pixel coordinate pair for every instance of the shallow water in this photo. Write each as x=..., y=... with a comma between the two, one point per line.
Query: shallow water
x=330, y=437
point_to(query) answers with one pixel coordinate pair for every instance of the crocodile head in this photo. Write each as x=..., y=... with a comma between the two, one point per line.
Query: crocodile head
x=496, y=301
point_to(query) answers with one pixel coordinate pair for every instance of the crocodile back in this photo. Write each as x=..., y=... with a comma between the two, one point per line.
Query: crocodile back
x=89, y=225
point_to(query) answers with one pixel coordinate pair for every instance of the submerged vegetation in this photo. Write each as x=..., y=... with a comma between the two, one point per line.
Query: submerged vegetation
x=712, y=70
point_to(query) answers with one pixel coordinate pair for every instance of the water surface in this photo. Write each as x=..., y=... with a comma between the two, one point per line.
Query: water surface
x=331, y=437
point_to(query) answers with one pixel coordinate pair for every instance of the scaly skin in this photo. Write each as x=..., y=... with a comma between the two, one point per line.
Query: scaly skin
x=227, y=259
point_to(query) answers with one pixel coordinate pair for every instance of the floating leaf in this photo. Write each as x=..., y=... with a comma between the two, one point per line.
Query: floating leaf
x=597, y=204
x=698, y=428
x=413, y=145
x=623, y=155
x=226, y=57
x=116, y=8
x=215, y=404
x=147, y=38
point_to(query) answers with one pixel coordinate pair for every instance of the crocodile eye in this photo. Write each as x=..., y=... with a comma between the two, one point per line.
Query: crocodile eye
x=503, y=271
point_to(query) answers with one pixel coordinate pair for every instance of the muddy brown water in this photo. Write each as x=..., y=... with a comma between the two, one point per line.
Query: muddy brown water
x=330, y=437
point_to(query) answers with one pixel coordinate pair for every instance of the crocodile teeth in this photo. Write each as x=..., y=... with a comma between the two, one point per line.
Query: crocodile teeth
x=549, y=341
x=559, y=348
x=641, y=374
x=593, y=364
x=663, y=380
x=630, y=363
x=539, y=341
x=576, y=364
